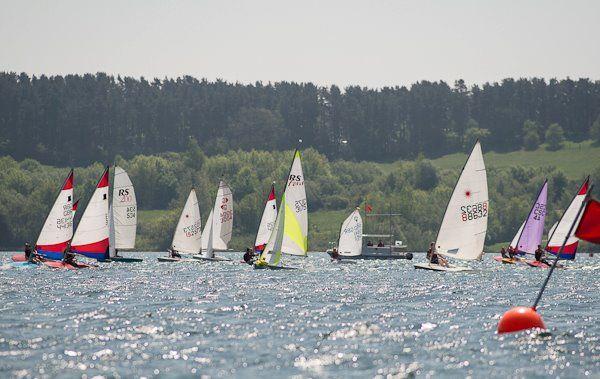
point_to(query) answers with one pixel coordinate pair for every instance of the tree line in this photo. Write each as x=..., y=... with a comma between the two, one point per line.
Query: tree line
x=417, y=190
x=76, y=120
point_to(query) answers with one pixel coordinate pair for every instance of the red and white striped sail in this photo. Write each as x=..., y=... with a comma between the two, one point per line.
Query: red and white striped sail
x=557, y=238
x=267, y=221
x=91, y=236
x=58, y=227
x=187, y=237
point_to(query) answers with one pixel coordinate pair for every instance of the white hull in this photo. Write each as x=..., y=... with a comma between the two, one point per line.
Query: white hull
x=436, y=267
x=213, y=259
x=169, y=259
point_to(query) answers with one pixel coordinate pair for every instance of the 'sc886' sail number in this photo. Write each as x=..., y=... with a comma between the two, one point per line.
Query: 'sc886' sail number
x=473, y=212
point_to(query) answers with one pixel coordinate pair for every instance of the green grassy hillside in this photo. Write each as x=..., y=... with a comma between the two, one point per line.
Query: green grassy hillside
x=576, y=160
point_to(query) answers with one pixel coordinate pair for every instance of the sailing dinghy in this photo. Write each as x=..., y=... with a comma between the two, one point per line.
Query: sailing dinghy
x=267, y=222
x=291, y=226
x=122, y=217
x=529, y=235
x=350, y=240
x=187, y=237
x=218, y=229
x=559, y=232
x=464, y=225
x=91, y=237
x=57, y=230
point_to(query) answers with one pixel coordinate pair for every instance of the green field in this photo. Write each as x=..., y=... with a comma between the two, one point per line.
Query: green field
x=576, y=160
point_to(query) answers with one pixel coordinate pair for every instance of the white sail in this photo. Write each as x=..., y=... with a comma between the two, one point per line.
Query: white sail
x=350, y=242
x=111, y=232
x=464, y=226
x=291, y=226
x=552, y=229
x=58, y=227
x=187, y=238
x=91, y=236
x=222, y=217
x=207, y=232
x=219, y=226
x=124, y=207
x=267, y=221
x=515, y=239
x=558, y=235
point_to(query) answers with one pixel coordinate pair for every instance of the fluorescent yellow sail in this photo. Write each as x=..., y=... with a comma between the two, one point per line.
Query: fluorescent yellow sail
x=291, y=226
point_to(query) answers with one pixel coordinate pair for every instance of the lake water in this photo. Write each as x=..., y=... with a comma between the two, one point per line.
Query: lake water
x=374, y=318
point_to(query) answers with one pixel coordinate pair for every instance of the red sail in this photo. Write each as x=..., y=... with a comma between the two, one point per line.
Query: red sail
x=589, y=226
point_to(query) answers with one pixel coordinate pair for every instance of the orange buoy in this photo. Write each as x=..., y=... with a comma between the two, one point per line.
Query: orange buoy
x=520, y=318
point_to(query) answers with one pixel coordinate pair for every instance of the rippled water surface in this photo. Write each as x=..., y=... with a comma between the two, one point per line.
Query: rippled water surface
x=324, y=320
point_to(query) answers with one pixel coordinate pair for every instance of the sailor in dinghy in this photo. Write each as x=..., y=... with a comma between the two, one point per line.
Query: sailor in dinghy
x=219, y=226
x=350, y=239
x=464, y=225
x=291, y=226
x=187, y=237
x=529, y=236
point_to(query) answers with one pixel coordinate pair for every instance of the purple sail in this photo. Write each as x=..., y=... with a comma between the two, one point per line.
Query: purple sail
x=531, y=236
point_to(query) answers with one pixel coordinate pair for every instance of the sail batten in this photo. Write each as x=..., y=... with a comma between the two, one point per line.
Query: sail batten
x=464, y=225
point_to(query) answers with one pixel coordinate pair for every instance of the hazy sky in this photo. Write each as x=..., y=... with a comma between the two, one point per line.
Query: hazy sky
x=372, y=43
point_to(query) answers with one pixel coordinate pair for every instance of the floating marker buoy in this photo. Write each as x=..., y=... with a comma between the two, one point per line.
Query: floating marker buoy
x=520, y=318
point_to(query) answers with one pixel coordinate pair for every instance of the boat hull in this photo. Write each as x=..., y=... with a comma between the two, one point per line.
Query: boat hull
x=126, y=260
x=507, y=260
x=169, y=259
x=213, y=259
x=436, y=267
x=270, y=267
x=66, y=266
x=380, y=256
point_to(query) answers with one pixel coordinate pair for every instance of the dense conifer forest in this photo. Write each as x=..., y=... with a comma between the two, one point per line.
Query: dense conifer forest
x=79, y=119
x=174, y=133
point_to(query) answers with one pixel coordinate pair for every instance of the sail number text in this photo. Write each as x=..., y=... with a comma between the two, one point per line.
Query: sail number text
x=539, y=211
x=66, y=221
x=474, y=212
x=300, y=205
x=192, y=230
